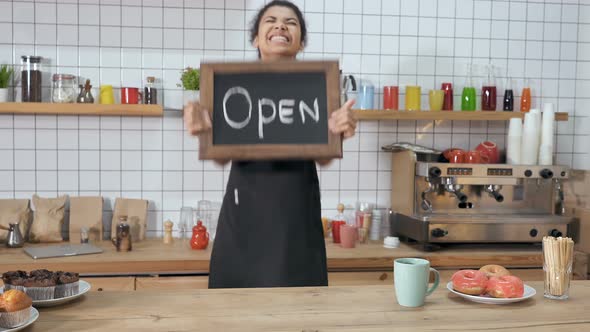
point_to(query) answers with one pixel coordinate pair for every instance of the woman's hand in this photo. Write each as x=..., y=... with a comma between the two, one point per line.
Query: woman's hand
x=197, y=121
x=343, y=121
x=196, y=118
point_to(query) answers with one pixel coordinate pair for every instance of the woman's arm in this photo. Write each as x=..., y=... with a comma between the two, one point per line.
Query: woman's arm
x=343, y=122
x=198, y=121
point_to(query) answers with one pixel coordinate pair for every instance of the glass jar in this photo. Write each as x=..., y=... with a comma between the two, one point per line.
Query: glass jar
x=63, y=88
x=31, y=78
x=150, y=93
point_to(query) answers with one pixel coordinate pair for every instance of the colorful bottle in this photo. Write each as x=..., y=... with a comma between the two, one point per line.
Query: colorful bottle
x=448, y=101
x=525, y=100
x=488, y=98
x=468, y=96
x=508, y=101
x=488, y=91
x=508, y=97
x=468, y=99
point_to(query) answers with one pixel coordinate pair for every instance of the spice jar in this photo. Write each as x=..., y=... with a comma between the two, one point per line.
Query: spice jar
x=122, y=241
x=150, y=93
x=31, y=78
x=63, y=88
x=85, y=96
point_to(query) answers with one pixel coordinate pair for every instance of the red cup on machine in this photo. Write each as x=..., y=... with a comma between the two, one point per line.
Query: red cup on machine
x=474, y=157
x=457, y=156
x=490, y=150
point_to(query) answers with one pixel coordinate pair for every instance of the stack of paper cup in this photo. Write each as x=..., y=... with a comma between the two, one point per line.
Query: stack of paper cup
x=547, y=127
x=385, y=223
x=531, y=137
x=514, y=141
x=375, y=232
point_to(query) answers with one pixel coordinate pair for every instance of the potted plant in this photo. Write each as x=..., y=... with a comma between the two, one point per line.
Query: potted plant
x=190, y=79
x=5, y=74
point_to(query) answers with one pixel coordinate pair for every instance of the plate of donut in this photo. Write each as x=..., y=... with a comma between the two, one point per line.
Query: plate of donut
x=492, y=284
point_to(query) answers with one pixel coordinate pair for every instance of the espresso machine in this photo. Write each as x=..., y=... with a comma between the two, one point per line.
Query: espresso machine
x=436, y=202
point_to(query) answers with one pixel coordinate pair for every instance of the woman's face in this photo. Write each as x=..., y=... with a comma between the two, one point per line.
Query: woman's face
x=279, y=34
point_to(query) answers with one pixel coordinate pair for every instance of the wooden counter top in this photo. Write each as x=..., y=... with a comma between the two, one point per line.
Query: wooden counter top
x=153, y=257
x=356, y=308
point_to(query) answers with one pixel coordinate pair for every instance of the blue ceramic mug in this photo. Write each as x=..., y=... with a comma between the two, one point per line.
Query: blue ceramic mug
x=411, y=276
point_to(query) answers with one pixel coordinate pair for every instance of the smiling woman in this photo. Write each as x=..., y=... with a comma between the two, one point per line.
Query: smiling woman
x=278, y=31
x=270, y=231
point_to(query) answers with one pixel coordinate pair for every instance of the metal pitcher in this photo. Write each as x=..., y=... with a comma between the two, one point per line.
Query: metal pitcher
x=14, y=238
x=347, y=84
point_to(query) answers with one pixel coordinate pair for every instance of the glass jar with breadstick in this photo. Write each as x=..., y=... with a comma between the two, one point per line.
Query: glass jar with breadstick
x=558, y=256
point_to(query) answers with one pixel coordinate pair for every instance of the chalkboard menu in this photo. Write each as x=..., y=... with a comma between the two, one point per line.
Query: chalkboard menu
x=276, y=110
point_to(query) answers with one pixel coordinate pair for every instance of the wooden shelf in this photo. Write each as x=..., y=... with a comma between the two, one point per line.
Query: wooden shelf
x=81, y=109
x=444, y=115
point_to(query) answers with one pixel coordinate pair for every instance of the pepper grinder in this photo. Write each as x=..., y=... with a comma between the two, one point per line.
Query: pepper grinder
x=168, y=232
x=85, y=96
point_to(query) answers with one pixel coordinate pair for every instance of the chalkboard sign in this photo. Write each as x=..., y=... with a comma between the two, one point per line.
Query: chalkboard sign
x=274, y=110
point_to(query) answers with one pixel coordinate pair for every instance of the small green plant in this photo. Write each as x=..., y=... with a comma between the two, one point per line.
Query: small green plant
x=5, y=74
x=191, y=78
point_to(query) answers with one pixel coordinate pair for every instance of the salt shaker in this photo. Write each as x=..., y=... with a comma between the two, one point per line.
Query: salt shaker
x=168, y=232
x=84, y=235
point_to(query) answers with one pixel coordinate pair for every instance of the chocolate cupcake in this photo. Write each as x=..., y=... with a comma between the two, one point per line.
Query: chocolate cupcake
x=14, y=280
x=67, y=284
x=40, y=273
x=41, y=286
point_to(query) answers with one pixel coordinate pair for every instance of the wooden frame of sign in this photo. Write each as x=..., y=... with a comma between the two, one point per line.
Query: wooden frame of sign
x=276, y=110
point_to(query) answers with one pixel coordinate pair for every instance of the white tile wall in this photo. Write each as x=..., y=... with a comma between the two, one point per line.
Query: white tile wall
x=387, y=42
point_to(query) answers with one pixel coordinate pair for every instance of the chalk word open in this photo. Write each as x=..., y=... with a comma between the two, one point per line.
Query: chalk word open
x=285, y=110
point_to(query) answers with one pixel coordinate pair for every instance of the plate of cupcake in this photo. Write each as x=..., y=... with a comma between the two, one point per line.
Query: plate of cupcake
x=492, y=284
x=46, y=288
x=16, y=311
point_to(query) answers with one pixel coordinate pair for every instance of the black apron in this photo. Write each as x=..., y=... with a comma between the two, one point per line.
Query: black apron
x=270, y=231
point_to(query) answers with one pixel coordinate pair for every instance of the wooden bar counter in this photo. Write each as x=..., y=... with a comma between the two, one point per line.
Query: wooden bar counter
x=357, y=308
x=154, y=257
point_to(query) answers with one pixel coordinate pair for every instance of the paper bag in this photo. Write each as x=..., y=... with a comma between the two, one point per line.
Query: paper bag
x=48, y=219
x=12, y=211
x=581, y=230
x=136, y=212
x=86, y=212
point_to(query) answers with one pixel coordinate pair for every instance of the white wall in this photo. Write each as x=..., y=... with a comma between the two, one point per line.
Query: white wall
x=387, y=42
